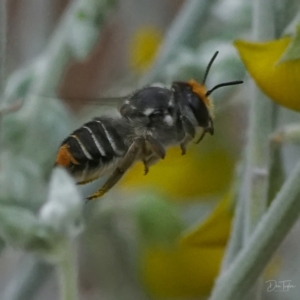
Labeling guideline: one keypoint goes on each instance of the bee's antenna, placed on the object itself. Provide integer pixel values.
(221, 85)
(208, 66)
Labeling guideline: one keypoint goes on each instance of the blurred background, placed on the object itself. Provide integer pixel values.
(138, 241)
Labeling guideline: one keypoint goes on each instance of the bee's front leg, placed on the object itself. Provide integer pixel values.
(130, 157)
(190, 133)
(184, 144)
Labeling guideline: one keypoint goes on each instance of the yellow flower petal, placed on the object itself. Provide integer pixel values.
(190, 268)
(280, 81)
(143, 47)
(182, 272)
(185, 177)
(215, 229)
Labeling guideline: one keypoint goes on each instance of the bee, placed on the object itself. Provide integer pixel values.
(150, 120)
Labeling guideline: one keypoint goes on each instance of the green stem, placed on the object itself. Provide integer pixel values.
(2, 44)
(258, 161)
(261, 125)
(284, 211)
(31, 274)
(59, 50)
(49, 67)
(68, 274)
(263, 171)
(2, 54)
(2, 246)
(236, 240)
(182, 31)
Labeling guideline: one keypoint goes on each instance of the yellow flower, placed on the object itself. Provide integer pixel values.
(202, 171)
(143, 47)
(279, 79)
(188, 270)
(215, 229)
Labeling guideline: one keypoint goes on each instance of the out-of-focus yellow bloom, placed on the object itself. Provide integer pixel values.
(214, 230)
(143, 47)
(181, 272)
(279, 80)
(200, 172)
(188, 270)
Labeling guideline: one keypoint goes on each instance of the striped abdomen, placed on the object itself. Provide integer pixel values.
(93, 149)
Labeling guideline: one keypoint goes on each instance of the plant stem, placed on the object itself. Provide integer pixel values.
(253, 188)
(181, 32)
(284, 211)
(2, 55)
(68, 273)
(31, 275)
(261, 125)
(236, 240)
(2, 246)
(42, 78)
(2, 44)
(59, 50)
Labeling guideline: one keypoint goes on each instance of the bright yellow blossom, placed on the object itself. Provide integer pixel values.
(143, 47)
(188, 269)
(279, 79)
(200, 172)
(215, 229)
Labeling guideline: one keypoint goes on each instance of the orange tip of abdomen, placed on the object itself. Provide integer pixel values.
(64, 157)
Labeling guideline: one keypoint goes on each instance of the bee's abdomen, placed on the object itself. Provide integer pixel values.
(89, 150)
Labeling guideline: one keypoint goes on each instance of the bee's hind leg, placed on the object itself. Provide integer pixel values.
(149, 161)
(129, 158)
(152, 152)
(156, 147)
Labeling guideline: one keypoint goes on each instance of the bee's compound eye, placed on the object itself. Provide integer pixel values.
(200, 110)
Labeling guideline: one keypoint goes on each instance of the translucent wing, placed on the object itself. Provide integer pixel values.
(109, 101)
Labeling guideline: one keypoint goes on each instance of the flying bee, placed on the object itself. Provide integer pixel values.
(150, 120)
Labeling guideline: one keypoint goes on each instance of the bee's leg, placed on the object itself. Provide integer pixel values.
(125, 164)
(87, 181)
(209, 128)
(190, 133)
(188, 126)
(153, 159)
(156, 147)
(184, 143)
(153, 151)
(146, 167)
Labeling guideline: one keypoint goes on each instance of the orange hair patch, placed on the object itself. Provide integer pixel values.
(200, 90)
(64, 157)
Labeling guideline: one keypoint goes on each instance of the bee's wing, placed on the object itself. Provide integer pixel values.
(110, 101)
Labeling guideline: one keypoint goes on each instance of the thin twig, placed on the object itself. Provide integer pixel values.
(43, 77)
(2, 45)
(190, 18)
(267, 236)
(31, 274)
(2, 53)
(68, 274)
(261, 125)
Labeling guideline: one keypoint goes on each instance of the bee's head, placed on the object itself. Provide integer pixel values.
(195, 96)
(192, 96)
